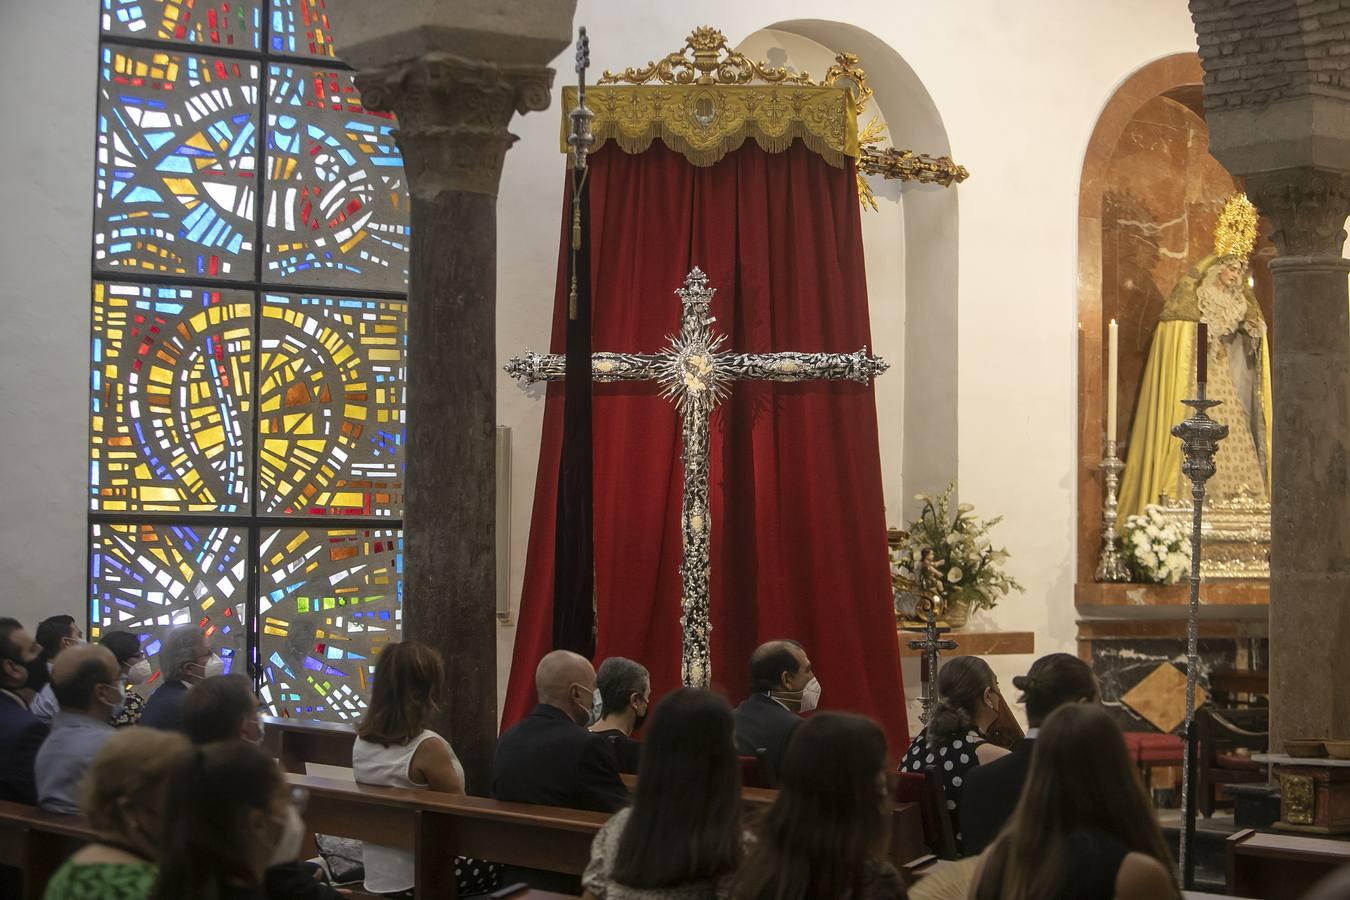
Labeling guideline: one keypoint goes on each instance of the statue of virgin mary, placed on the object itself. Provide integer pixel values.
(1216, 291)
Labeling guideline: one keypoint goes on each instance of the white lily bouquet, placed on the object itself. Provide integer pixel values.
(1157, 550)
(971, 567)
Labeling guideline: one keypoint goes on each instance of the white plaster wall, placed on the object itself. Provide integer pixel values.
(48, 56)
(1018, 86)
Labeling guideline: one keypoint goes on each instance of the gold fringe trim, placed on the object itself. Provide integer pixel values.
(703, 123)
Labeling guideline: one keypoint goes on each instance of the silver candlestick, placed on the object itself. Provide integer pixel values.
(1111, 565)
(1200, 436)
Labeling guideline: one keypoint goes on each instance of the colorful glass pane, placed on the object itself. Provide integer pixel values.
(330, 401)
(300, 27)
(177, 160)
(148, 578)
(330, 600)
(170, 389)
(337, 206)
(224, 23)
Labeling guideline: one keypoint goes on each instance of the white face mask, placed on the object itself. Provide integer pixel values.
(287, 847)
(139, 673)
(121, 705)
(810, 695)
(591, 710)
(213, 666)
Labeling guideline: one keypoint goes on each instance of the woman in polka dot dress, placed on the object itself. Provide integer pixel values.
(954, 741)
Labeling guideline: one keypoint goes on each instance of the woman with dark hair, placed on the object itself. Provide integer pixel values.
(135, 671)
(681, 839)
(826, 836)
(394, 748)
(1084, 829)
(955, 740)
(228, 815)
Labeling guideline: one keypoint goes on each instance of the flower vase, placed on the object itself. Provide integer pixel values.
(956, 611)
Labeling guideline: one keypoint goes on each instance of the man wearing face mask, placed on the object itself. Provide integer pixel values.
(549, 757)
(54, 635)
(21, 732)
(88, 685)
(782, 686)
(185, 658)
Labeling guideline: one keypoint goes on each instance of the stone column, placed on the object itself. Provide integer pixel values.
(1277, 102)
(454, 74)
(1310, 541)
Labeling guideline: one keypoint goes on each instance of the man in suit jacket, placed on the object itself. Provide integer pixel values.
(782, 685)
(549, 757)
(992, 791)
(21, 732)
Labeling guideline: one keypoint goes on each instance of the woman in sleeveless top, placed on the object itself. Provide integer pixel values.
(393, 749)
(1084, 828)
(954, 741)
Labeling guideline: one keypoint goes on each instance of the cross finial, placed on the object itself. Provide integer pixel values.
(583, 55)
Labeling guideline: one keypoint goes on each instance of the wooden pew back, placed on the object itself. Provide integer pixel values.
(37, 842)
(295, 743)
(1281, 866)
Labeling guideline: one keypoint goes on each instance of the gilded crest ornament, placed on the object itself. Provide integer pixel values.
(706, 65)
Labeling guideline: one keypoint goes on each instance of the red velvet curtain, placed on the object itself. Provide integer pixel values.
(799, 532)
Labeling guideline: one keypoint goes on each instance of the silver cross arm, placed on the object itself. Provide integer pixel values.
(533, 367)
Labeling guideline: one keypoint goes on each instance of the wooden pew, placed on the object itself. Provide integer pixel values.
(1280, 866)
(294, 743)
(438, 827)
(37, 842)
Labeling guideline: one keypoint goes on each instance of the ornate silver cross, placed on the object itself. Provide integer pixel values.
(697, 373)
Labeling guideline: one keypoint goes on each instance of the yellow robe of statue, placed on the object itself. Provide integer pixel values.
(1153, 460)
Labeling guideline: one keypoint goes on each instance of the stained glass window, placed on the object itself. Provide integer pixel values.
(337, 208)
(176, 164)
(145, 578)
(331, 598)
(170, 395)
(300, 27)
(331, 397)
(224, 23)
(248, 344)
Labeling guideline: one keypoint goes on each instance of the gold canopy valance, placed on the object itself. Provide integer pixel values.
(704, 123)
(700, 101)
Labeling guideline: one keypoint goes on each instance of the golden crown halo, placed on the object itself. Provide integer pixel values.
(1235, 232)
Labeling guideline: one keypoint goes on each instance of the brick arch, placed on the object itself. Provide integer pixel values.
(1178, 77)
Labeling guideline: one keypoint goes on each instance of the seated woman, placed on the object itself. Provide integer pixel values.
(228, 815)
(394, 748)
(827, 834)
(624, 692)
(954, 742)
(135, 671)
(123, 799)
(681, 839)
(1084, 829)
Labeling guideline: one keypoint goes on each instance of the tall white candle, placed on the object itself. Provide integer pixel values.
(1112, 366)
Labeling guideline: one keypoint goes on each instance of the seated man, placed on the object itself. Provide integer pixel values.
(625, 693)
(185, 658)
(222, 708)
(21, 732)
(54, 634)
(782, 685)
(88, 685)
(992, 790)
(549, 757)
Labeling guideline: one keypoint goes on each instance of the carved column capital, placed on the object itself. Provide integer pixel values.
(453, 115)
(1308, 208)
